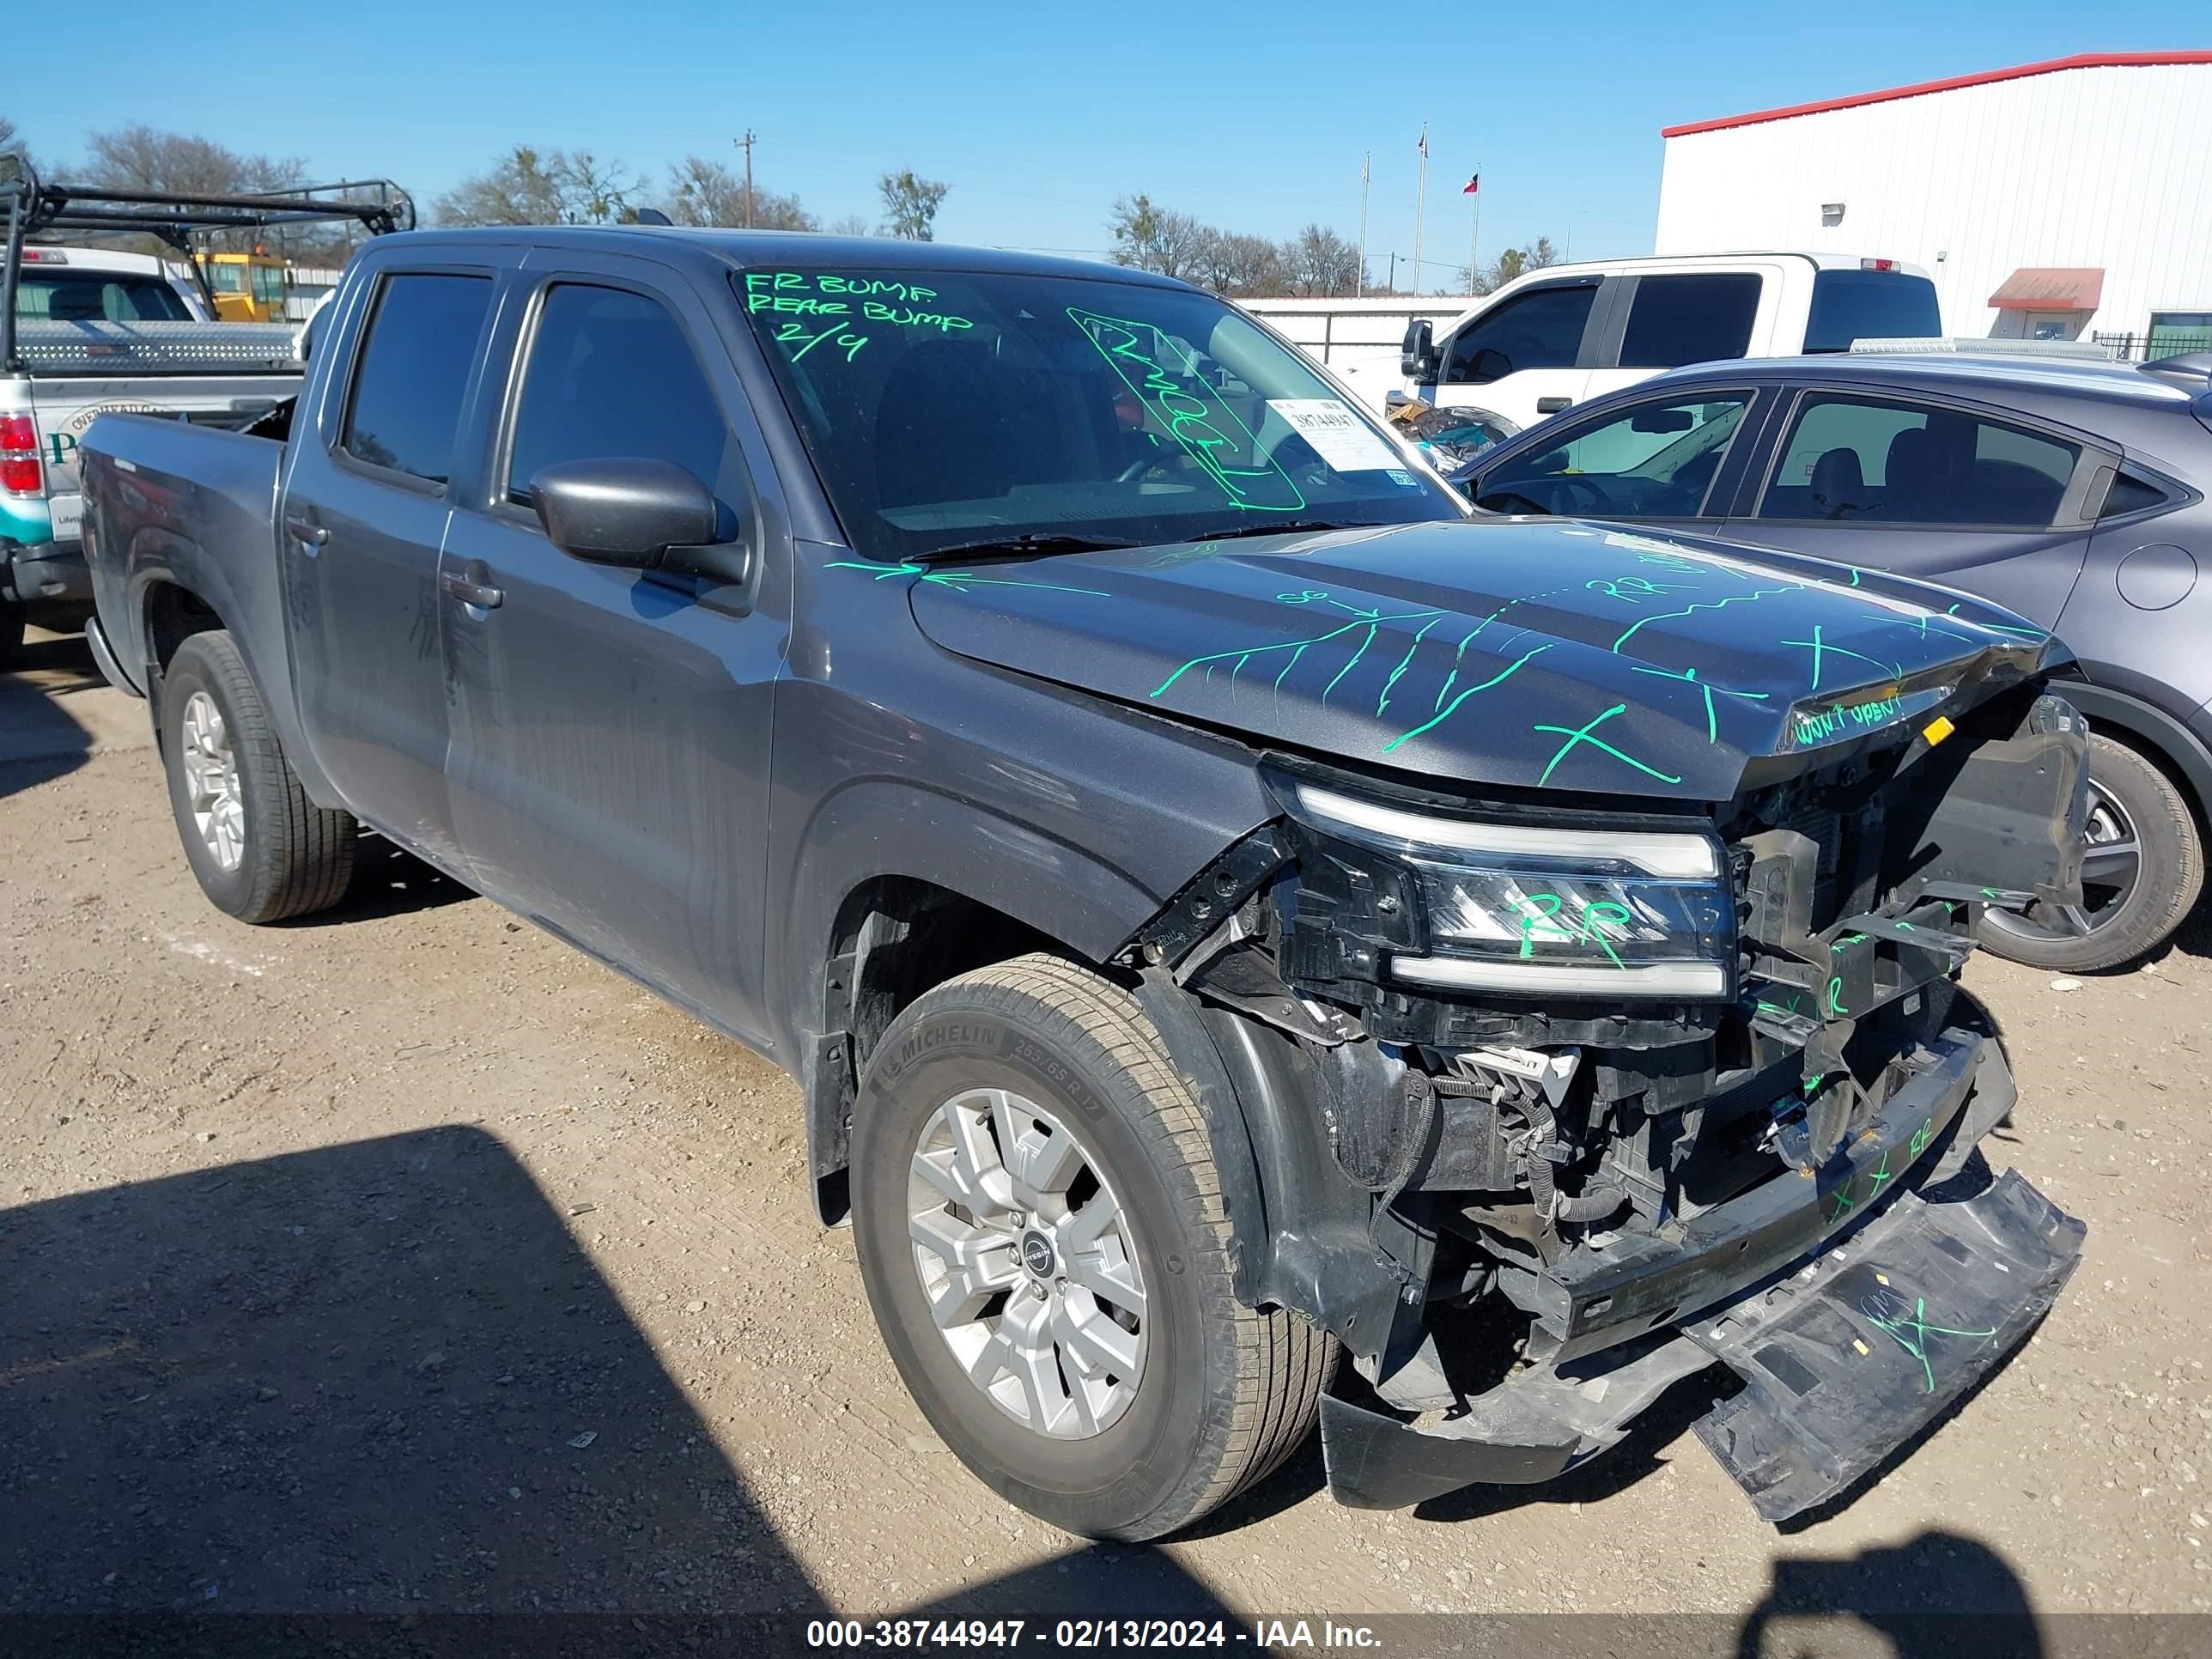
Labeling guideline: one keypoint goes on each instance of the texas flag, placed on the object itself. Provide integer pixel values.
(1472, 183)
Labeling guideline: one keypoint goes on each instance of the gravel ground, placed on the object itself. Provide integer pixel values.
(406, 1260)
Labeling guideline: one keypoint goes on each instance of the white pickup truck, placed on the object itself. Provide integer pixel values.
(89, 330)
(1548, 340)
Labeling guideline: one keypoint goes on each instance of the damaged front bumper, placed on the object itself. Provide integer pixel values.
(1853, 1304)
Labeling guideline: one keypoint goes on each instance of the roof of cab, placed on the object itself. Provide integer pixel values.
(753, 249)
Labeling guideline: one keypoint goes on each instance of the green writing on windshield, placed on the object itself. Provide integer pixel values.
(1206, 427)
(843, 303)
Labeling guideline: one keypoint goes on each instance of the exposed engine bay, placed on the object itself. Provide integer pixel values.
(1599, 1075)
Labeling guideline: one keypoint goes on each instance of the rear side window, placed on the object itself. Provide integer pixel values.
(1865, 458)
(1870, 304)
(1540, 328)
(2130, 494)
(415, 365)
(611, 374)
(1675, 321)
(93, 298)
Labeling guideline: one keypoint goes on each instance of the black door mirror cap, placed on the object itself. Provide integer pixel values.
(624, 510)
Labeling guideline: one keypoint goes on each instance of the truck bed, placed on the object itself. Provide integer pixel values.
(170, 501)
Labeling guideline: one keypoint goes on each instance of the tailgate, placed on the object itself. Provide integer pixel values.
(65, 407)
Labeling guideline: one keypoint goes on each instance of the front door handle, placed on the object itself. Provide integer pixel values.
(301, 528)
(469, 591)
(1553, 405)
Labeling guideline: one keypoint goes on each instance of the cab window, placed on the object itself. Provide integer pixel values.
(1867, 459)
(1655, 461)
(1541, 328)
(611, 373)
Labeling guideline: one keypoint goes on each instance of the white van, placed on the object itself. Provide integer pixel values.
(1546, 341)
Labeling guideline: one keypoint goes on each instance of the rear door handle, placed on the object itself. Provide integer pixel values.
(301, 528)
(1553, 405)
(468, 592)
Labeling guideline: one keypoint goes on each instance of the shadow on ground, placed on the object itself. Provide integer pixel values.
(1938, 1593)
(282, 1406)
(387, 881)
(39, 739)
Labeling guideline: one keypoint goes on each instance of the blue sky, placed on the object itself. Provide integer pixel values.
(1039, 115)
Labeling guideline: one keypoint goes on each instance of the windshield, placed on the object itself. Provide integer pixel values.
(95, 297)
(946, 408)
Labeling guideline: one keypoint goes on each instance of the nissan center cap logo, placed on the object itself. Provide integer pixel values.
(1036, 1254)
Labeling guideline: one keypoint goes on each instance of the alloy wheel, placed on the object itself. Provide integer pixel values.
(1028, 1263)
(218, 803)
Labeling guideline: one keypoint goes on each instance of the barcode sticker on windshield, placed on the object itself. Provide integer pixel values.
(1344, 442)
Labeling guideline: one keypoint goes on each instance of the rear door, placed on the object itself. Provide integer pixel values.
(1978, 499)
(611, 727)
(1526, 357)
(1668, 321)
(361, 519)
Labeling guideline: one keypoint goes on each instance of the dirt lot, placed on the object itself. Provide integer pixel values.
(406, 1260)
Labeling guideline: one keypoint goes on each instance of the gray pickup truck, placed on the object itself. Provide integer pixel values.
(1225, 909)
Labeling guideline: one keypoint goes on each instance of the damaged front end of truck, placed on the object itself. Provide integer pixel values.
(1541, 1104)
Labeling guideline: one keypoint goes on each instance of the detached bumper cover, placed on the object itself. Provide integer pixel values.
(1832, 1356)
(1847, 1361)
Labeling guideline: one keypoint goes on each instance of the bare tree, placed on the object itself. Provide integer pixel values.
(1321, 263)
(910, 204)
(1148, 237)
(523, 187)
(704, 192)
(597, 192)
(138, 157)
(1237, 264)
(10, 141)
(852, 224)
(1515, 263)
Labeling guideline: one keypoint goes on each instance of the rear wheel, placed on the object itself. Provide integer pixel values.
(2141, 872)
(261, 850)
(1040, 1227)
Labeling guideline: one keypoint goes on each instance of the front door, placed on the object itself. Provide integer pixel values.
(364, 513)
(1524, 357)
(611, 728)
(1928, 488)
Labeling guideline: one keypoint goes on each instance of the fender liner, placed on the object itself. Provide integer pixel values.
(1299, 1226)
(2116, 710)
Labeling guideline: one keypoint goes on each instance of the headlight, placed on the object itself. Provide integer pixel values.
(1537, 909)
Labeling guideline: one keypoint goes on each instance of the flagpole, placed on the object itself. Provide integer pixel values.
(1420, 206)
(1474, 236)
(1359, 287)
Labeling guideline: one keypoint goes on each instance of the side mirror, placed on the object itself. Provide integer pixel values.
(1417, 357)
(624, 510)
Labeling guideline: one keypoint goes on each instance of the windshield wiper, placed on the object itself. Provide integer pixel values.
(1284, 527)
(1024, 545)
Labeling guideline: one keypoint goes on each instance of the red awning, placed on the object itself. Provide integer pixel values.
(2051, 288)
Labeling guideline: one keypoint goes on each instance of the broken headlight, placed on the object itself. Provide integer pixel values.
(1536, 909)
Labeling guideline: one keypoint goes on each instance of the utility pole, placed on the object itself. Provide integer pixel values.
(746, 144)
(1359, 288)
(1393, 271)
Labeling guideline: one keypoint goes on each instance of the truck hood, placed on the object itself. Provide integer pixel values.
(1532, 655)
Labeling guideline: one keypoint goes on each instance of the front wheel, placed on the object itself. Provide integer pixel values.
(2141, 872)
(260, 849)
(1040, 1231)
